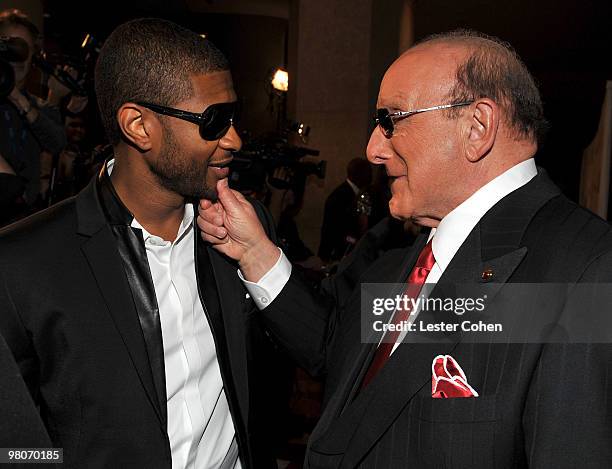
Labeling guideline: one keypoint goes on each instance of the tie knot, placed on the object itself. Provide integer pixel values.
(426, 259)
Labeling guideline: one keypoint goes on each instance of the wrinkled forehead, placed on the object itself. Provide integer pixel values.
(421, 77)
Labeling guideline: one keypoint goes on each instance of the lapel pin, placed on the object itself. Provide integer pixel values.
(487, 275)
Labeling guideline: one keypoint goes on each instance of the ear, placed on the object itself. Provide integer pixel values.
(482, 126)
(137, 125)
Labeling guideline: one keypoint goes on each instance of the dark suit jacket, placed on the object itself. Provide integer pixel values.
(20, 424)
(540, 405)
(339, 220)
(90, 357)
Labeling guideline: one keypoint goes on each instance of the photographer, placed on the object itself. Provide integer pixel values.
(28, 124)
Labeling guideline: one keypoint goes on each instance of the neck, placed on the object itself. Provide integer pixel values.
(475, 176)
(158, 210)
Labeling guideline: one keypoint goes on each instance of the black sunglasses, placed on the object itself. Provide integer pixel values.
(387, 119)
(214, 122)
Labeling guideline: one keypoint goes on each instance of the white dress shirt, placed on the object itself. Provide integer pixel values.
(447, 238)
(200, 427)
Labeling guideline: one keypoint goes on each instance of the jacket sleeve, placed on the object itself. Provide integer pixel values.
(300, 316)
(17, 338)
(567, 419)
(304, 317)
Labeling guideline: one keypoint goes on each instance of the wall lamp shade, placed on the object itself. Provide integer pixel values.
(280, 81)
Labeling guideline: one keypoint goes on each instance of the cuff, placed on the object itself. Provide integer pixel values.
(271, 284)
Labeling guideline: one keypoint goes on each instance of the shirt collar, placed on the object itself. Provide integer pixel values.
(186, 223)
(185, 227)
(455, 227)
(116, 213)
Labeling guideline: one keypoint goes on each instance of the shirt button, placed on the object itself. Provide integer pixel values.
(264, 300)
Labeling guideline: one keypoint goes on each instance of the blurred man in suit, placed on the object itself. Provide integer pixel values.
(137, 342)
(343, 225)
(459, 119)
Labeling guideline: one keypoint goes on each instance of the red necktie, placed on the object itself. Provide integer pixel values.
(416, 279)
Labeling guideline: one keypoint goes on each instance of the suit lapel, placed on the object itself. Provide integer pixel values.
(396, 276)
(224, 299)
(106, 267)
(494, 246)
(348, 403)
(99, 248)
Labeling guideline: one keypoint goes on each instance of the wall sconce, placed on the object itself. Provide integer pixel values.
(280, 80)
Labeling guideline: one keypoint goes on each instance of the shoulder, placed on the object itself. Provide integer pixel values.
(344, 190)
(39, 233)
(571, 236)
(566, 220)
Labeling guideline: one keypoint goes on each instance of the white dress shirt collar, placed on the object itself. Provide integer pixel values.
(186, 224)
(188, 215)
(455, 227)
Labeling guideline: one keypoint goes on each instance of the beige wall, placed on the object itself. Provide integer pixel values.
(331, 96)
(595, 177)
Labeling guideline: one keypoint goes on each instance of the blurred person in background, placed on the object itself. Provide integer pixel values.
(343, 220)
(28, 124)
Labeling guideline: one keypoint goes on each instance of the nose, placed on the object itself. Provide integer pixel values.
(231, 141)
(377, 151)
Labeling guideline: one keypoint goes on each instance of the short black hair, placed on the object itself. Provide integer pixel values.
(15, 17)
(150, 59)
(493, 69)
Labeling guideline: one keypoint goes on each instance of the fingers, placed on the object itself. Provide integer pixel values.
(214, 241)
(215, 235)
(205, 204)
(211, 213)
(229, 198)
(210, 221)
(212, 229)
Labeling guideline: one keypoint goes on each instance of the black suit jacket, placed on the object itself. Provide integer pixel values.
(20, 424)
(540, 405)
(339, 221)
(77, 330)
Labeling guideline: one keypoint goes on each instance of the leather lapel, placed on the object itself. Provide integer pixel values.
(100, 250)
(224, 298)
(107, 268)
(131, 248)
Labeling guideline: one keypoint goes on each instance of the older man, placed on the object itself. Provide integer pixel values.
(458, 123)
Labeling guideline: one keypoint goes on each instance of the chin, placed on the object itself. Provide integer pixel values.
(396, 211)
(210, 194)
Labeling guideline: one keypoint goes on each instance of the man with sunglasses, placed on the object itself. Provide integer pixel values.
(458, 124)
(136, 340)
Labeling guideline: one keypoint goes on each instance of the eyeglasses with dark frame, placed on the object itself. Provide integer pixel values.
(214, 122)
(386, 120)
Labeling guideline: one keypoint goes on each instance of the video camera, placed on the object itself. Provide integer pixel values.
(83, 63)
(14, 49)
(273, 160)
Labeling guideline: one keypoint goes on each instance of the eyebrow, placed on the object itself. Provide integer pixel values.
(397, 102)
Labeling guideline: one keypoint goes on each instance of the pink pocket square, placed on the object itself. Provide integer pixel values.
(448, 379)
